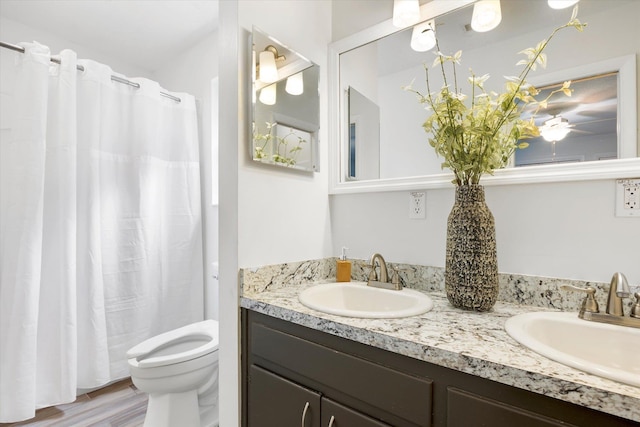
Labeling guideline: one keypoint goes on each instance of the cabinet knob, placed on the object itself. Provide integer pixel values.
(304, 412)
(331, 421)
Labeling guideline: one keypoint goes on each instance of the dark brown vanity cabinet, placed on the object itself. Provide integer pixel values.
(283, 370)
(297, 376)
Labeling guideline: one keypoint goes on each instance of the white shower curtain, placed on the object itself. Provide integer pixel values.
(101, 243)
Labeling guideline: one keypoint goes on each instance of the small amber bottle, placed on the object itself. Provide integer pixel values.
(343, 268)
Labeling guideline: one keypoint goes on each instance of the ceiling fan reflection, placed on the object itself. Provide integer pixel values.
(555, 129)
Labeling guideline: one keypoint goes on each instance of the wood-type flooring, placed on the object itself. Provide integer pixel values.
(118, 405)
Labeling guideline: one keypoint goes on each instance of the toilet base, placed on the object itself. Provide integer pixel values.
(173, 409)
(209, 416)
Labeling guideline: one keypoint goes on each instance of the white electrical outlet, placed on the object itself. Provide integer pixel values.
(417, 205)
(628, 197)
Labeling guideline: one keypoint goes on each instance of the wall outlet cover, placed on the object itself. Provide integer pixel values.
(628, 197)
(417, 205)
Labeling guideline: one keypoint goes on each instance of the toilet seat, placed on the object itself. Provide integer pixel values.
(176, 346)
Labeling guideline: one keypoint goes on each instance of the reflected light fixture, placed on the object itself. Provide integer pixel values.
(268, 95)
(555, 129)
(295, 84)
(486, 15)
(561, 4)
(267, 70)
(405, 12)
(423, 37)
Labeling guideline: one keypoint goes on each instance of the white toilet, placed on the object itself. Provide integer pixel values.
(179, 371)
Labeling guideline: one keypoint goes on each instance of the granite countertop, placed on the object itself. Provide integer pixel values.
(475, 343)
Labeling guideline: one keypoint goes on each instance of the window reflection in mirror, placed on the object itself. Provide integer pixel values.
(579, 128)
(286, 106)
(381, 68)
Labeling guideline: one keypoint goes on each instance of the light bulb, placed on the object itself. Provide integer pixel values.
(561, 4)
(405, 12)
(268, 95)
(423, 37)
(268, 69)
(295, 84)
(486, 15)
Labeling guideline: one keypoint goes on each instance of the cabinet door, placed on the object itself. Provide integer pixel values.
(276, 402)
(337, 415)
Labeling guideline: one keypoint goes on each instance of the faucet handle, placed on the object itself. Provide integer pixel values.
(395, 278)
(635, 310)
(589, 304)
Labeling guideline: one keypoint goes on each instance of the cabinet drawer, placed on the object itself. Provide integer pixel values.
(471, 410)
(363, 385)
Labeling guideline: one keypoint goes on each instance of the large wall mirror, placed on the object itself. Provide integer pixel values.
(379, 143)
(286, 106)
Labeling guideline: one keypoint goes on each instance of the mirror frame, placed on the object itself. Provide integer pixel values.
(561, 172)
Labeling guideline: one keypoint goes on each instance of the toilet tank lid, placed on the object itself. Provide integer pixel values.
(207, 328)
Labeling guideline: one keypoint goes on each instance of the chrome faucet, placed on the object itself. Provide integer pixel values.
(618, 289)
(383, 280)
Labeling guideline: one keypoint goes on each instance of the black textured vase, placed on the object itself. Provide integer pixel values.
(471, 271)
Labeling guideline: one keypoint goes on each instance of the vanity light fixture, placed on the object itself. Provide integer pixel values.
(295, 84)
(486, 15)
(268, 95)
(267, 70)
(555, 129)
(405, 12)
(423, 37)
(561, 4)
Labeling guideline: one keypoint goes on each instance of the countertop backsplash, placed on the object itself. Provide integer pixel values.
(514, 288)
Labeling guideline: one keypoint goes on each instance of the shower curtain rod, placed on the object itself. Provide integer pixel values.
(81, 68)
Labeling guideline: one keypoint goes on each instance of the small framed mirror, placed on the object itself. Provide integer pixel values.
(286, 106)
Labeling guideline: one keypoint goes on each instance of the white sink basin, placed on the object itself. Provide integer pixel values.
(609, 351)
(356, 299)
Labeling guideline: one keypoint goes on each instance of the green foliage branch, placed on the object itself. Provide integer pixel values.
(285, 154)
(478, 138)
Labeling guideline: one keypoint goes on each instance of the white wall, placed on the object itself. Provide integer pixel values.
(565, 230)
(267, 214)
(16, 32)
(192, 72)
(232, 119)
(284, 215)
